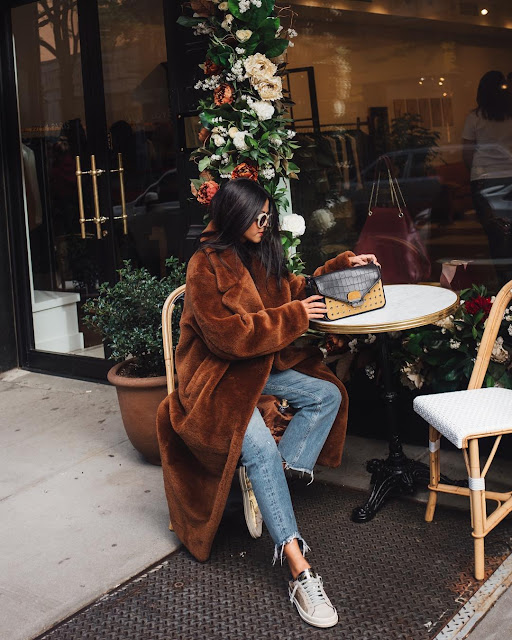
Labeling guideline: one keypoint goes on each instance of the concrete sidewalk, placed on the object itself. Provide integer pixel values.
(81, 512)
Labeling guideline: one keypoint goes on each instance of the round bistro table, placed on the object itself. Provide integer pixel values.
(407, 306)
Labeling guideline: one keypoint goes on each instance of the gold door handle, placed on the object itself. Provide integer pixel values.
(98, 218)
(120, 171)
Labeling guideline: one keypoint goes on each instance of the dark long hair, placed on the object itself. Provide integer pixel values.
(233, 209)
(493, 100)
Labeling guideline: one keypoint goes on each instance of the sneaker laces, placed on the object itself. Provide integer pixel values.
(313, 586)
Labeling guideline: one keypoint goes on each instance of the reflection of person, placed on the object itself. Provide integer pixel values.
(487, 139)
(242, 311)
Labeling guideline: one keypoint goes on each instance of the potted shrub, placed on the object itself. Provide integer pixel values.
(128, 315)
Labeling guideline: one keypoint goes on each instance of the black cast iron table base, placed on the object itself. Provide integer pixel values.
(397, 474)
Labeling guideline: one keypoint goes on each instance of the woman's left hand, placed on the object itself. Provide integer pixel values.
(364, 258)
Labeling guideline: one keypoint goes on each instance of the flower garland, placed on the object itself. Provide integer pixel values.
(243, 114)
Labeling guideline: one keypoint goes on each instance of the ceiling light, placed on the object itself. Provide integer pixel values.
(444, 94)
(484, 12)
(420, 82)
(442, 79)
(440, 84)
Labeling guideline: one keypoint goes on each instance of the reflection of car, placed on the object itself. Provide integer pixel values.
(160, 197)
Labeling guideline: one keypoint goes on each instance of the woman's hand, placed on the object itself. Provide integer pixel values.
(364, 258)
(314, 308)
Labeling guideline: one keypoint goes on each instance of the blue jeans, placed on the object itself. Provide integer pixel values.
(317, 402)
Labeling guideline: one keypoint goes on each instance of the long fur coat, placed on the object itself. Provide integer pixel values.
(233, 330)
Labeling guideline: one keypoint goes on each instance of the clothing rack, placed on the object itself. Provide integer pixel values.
(339, 126)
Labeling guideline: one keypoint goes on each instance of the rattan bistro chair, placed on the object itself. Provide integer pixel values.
(464, 417)
(167, 311)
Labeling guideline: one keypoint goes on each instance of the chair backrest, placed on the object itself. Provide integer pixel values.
(492, 327)
(167, 311)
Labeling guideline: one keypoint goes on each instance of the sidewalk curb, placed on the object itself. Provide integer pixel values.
(462, 623)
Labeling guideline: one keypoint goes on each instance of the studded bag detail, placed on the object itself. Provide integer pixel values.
(348, 292)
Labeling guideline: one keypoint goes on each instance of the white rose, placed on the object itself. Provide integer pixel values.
(242, 35)
(226, 23)
(264, 110)
(239, 141)
(259, 67)
(270, 89)
(293, 223)
(218, 140)
(223, 6)
(323, 219)
(232, 132)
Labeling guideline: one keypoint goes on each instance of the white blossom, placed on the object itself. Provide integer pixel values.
(239, 141)
(352, 345)
(454, 344)
(242, 35)
(223, 6)
(232, 132)
(370, 371)
(227, 22)
(275, 142)
(290, 133)
(268, 172)
(510, 329)
(499, 354)
(263, 110)
(225, 176)
(202, 29)
(208, 84)
(240, 50)
(411, 377)
(291, 44)
(445, 323)
(370, 339)
(215, 157)
(218, 140)
(292, 33)
(293, 223)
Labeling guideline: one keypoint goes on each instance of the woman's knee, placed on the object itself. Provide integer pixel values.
(330, 394)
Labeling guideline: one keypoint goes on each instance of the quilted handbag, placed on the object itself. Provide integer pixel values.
(348, 292)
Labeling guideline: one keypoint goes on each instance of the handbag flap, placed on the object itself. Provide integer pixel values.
(348, 285)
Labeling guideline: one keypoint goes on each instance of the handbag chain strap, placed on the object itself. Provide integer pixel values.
(397, 197)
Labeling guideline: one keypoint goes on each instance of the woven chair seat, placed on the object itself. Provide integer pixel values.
(459, 415)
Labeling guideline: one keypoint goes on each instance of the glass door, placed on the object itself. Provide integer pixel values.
(99, 160)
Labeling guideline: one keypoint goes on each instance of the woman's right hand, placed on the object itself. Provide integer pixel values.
(314, 307)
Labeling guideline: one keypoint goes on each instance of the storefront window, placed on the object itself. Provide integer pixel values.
(400, 78)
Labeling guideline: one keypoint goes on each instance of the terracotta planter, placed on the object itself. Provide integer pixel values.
(138, 400)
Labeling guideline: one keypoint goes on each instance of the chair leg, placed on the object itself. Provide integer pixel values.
(478, 510)
(435, 472)
(170, 526)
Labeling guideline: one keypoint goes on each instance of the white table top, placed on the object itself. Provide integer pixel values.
(407, 306)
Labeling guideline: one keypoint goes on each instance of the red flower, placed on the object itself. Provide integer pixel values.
(210, 68)
(245, 170)
(474, 305)
(223, 94)
(206, 191)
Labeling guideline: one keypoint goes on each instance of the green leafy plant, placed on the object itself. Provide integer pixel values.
(407, 132)
(440, 357)
(246, 130)
(129, 316)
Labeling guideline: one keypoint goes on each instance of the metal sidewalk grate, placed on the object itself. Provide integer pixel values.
(394, 578)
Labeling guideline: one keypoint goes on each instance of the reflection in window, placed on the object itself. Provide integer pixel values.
(386, 85)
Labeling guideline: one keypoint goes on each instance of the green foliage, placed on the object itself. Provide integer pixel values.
(129, 315)
(441, 357)
(407, 132)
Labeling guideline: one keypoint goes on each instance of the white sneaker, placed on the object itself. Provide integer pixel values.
(251, 510)
(308, 595)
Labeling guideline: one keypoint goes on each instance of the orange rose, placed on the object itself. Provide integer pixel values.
(206, 191)
(244, 170)
(223, 94)
(210, 68)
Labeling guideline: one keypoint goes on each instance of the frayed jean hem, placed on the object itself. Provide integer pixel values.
(279, 548)
(310, 472)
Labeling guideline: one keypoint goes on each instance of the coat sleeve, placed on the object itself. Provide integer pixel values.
(298, 283)
(234, 336)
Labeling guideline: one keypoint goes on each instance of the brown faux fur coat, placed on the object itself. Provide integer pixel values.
(233, 330)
